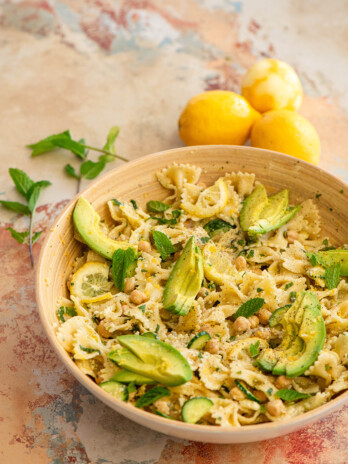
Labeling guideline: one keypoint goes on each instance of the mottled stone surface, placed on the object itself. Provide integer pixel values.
(88, 65)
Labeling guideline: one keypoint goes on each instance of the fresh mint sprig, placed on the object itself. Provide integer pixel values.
(88, 169)
(30, 190)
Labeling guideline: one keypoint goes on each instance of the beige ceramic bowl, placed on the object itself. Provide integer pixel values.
(137, 180)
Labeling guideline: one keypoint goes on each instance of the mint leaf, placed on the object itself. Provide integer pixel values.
(163, 244)
(34, 193)
(332, 276)
(131, 388)
(254, 349)
(88, 350)
(36, 236)
(117, 268)
(66, 310)
(16, 207)
(156, 206)
(134, 203)
(21, 180)
(151, 396)
(249, 308)
(290, 395)
(71, 171)
(110, 145)
(312, 258)
(162, 221)
(292, 296)
(62, 140)
(90, 169)
(19, 236)
(116, 202)
(288, 285)
(122, 262)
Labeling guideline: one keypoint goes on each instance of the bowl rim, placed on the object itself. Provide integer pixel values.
(123, 407)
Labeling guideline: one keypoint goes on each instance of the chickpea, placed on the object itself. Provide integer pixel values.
(212, 346)
(240, 263)
(241, 324)
(236, 394)
(257, 271)
(261, 396)
(282, 382)
(144, 246)
(292, 236)
(275, 407)
(202, 292)
(254, 321)
(129, 284)
(137, 297)
(103, 331)
(162, 406)
(264, 316)
(264, 333)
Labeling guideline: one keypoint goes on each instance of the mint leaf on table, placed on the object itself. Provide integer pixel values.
(91, 169)
(332, 276)
(21, 180)
(254, 349)
(290, 395)
(249, 308)
(163, 244)
(62, 140)
(16, 207)
(151, 396)
(34, 193)
(156, 206)
(19, 236)
(110, 145)
(70, 170)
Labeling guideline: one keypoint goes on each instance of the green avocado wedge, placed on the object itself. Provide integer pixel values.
(304, 337)
(253, 206)
(330, 257)
(261, 214)
(87, 224)
(185, 280)
(153, 359)
(124, 376)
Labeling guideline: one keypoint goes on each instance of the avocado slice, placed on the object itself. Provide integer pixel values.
(125, 376)
(331, 257)
(185, 280)
(253, 206)
(87, 223)
(153, 359)
(261, 214)
(304, 337)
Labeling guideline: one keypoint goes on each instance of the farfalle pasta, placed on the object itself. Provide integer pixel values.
(258, 269)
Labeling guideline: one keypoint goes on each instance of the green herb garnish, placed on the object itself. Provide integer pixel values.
(290, 395)
(163, 244)
(151, 396)
(332, 276)
(249, 308)
(156, 206)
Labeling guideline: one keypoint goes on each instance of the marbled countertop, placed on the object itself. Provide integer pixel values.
(89, 65)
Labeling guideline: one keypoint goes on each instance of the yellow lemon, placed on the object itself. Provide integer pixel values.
(287, 132)
(272, 85)
(218, 263)
(217, 117)
(90, 283)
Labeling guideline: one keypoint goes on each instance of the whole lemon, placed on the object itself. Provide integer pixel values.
(217, 117)
(287, 132)
(272, 85)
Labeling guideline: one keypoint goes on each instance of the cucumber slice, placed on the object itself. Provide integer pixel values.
(277, 316)
(116, 389)
(125, 376)
(198, 341)
(150, 335)
(195, 408)
(246, 392)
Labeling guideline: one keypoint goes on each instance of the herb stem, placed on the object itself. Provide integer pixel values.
(105, 152)
(31, 239)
